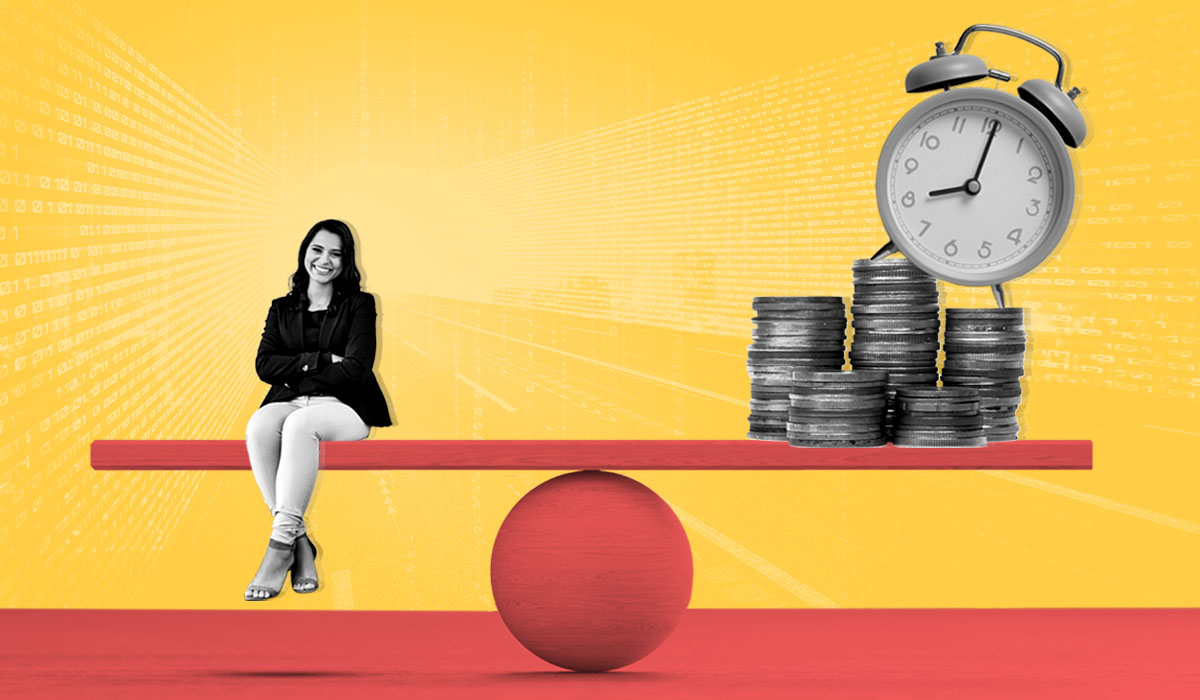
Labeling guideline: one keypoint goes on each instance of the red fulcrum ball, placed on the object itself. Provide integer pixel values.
(591, 571)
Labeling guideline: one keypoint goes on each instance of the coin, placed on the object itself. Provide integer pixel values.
(781, 378)
(837, 443)
(872, 310)
(876, 359)
(987, 337)
(913, 377)
(1000, 390)
(955, 361)
(975, 351)
(939, 442)
(937, 420)
(845, 405)
(940, 393)
(831, 428)
(792, 302)
(793, 354)
(1009, 312)
(997, 326)
(765, 435)
(842, 377)
(961, 377)
(833, 431)
(902, 325)
(909, 286)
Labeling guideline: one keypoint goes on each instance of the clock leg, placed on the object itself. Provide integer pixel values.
(888, 249)
(998, 292)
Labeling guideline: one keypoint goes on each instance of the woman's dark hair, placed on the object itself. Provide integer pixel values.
(346, 283)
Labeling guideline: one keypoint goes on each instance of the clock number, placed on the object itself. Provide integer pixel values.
(930, 141)
(925, 228)
(987, 126)
(1020, 143)
(1015, 235)
(908, 199)
(985, 250)
(911, 165)
(1035, 174)
(951, 247)
(1034, 208)
(959, 124)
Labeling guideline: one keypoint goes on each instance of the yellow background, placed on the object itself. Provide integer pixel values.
(565, 213)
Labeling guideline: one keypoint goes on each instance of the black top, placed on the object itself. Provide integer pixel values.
(312, 330)
(312, 336)
(294, 368)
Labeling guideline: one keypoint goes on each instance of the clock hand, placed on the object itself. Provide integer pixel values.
(986, 147)
(948, 190)
(972, 186)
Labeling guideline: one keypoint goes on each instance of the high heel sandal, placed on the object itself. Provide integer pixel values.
(297, 583)
(272, 592)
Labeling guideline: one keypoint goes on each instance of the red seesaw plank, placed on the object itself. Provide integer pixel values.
(565, 455)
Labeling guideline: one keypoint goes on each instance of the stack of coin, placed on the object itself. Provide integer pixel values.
(985, 350)
(837, 409)
(791, 333)
(930, 416)
(896, 324)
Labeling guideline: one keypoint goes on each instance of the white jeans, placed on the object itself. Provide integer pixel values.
(283, 440)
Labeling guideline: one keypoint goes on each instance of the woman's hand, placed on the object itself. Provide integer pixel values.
(336, 358)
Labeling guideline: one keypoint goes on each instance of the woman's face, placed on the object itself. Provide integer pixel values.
(323, 259)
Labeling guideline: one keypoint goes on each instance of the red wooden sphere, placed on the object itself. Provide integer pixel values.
(591, 571)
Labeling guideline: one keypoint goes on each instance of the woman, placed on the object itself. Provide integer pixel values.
(317, 350)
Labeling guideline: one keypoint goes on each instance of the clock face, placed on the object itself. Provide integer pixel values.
(975, 186)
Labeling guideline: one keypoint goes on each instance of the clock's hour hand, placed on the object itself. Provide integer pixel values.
(948, 190)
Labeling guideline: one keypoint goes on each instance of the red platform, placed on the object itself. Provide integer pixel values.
(564, 455)
(713, 653)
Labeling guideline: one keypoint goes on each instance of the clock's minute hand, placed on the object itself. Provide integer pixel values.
(972, 186)
(986, 147)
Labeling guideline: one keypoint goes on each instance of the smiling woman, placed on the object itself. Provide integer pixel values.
(317, 351)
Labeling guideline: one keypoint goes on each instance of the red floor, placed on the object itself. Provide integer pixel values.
(713, 653)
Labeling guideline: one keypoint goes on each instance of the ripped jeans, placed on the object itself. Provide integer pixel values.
(283, 440)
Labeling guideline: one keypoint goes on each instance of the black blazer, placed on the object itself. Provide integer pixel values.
(349, 331)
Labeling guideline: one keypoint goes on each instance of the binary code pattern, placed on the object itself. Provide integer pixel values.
(128, 215)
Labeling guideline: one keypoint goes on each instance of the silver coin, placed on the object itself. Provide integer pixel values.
(909, 421)
(769, 436)
(942, 407)
(802, 427)
(799, 301)
(923, 442)
(796, 344)
(844, 377)
(936, 393)
(988, 338)
(838, 443)
(1006, 312)
(834, 403)
(893, 309)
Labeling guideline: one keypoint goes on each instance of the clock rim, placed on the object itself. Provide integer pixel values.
(1054, 232)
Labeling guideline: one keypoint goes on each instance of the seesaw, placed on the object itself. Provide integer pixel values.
(591, 570)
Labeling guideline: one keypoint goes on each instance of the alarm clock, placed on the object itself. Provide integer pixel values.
(975, 186)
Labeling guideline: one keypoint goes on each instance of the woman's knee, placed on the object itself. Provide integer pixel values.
(301, 424)
(265, 424)
(324, 423)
